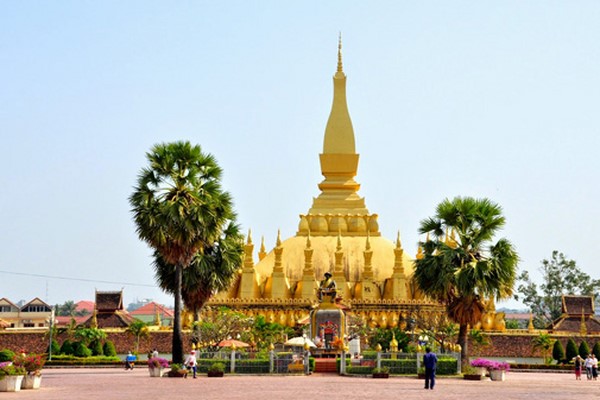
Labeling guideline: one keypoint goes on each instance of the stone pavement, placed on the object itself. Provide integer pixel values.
(93, 384)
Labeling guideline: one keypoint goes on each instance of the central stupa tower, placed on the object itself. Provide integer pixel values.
(339, 208)
(338, 235)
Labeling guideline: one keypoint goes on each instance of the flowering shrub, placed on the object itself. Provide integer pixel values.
(157, 362)
(490, 365)
(8, 368)
(32, 363)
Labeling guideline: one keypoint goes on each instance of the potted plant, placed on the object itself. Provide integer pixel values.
(156, 365)
(177, 371)
(216, 370)
(481, 365)
(498, 370)
(381, 373)
(471, 373)
(32, 363)
(11, 377)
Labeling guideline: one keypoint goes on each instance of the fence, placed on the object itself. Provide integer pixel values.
(247, 362)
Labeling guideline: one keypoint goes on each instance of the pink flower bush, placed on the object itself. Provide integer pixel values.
(490, 365)
(157, 362)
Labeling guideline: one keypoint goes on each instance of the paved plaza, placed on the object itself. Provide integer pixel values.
(92, 384)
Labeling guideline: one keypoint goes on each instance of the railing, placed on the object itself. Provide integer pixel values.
(246, 362)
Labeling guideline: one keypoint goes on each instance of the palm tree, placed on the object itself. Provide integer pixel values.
(210, 271)
(180, 209)
(463, 269)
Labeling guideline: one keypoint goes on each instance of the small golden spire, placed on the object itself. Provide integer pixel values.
(262, 253)
(249, 236)
(398, 243)
(420, 254)
(278, 242)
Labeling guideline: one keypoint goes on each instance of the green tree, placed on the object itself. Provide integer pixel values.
(264, 333)
(66, 347)
(385, 336)
(138, 329)
(584, 349)
(558, 352)
(180, 210)
(89, 335)
(560, 276)
(210, 272)
(219, 325)
(596, 350)
(543, 342)
(571, 350)
(67, 309)
(463, 271)
(109, 349)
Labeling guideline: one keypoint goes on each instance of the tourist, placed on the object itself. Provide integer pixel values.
(594, 367)
(154, 353)
(430, 363)
(588, 366)
(129, 361)
(191, 363)
(578, 362)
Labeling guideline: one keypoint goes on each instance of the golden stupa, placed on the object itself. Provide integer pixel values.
(339, 235)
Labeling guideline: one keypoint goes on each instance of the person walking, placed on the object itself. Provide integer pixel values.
(578, 362)
(594, 367)
(588, 367)
(191, 363)
(430, 363)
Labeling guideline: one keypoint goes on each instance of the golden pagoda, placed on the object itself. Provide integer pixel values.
(339, 235)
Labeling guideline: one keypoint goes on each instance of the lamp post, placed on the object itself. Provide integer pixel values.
(51, 328)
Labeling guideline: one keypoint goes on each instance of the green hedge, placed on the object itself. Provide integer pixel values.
(358, 370)
(94, 360)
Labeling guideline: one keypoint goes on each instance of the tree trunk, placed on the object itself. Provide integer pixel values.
(177, 347)
(462, 341)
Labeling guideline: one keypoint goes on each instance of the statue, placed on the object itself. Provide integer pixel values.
(327, 288)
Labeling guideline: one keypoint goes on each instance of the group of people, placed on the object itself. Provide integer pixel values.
(590, 364)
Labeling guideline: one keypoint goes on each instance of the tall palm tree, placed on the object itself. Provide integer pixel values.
(210, 271)
(464, 270)
(180, 209)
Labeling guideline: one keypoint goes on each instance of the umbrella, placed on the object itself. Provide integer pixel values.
(299, 341)
(233, 342)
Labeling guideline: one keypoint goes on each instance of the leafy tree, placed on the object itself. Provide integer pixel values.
(571, 350)
(558, 352)
(462, 271)
(560, 276)
(89, 335)
(54, 346)
(543, 342)
(264, 333)
(219, 325)
(109, 349)
(584, 349)
(67, 309)
(138, 329)
(180, 210)
(596, 350)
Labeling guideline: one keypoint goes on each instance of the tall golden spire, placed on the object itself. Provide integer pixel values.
(339, 65)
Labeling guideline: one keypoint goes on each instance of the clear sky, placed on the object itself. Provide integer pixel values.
(477, 98)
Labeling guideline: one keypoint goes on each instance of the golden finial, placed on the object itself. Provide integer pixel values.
(420, 254)
(249, 236)
(398, 243)
(278, 242)
(339, 64)
(262, 244)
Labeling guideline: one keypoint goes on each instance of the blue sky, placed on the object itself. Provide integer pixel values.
(484, 99)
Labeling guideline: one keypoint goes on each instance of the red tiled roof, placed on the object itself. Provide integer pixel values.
(151, 308)
(66, 320)
(85, 305)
